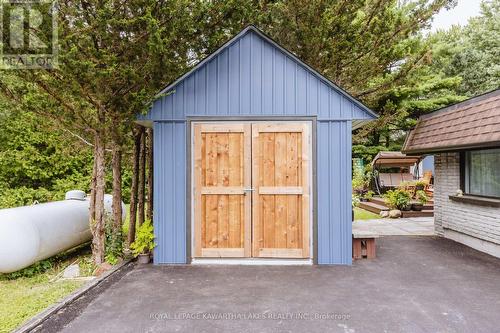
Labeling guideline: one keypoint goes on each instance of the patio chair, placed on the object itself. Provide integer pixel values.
(427, 177)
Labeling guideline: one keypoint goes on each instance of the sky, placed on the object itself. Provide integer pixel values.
(460, 14)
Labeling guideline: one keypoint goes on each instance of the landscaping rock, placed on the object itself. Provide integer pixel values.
(395, 213)
(384, 213)
(72, 271)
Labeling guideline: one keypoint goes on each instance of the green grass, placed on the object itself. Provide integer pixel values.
(23, 297)
(361, 214)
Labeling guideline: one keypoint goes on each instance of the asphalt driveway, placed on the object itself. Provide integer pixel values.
(417, 284)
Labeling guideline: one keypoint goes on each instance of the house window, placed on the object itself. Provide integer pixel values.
(482, 172)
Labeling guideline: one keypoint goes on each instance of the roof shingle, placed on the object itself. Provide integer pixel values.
(473, 123)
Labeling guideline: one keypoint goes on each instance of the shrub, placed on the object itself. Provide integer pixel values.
(113, 242)
(37, 268)
(369, 195)
(422, 197)
(359, 181)
(23, 196)
(398, 199)
(355, 200)
(144, 239)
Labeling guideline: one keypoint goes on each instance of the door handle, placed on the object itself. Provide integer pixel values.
(248, 189)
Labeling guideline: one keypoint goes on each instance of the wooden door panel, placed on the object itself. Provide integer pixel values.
(280, 176)
(222, 206)
(271, 159)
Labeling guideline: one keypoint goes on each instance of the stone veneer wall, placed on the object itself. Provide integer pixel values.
(479, 222)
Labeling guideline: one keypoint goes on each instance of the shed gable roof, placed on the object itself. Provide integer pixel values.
(231, 70)
(473, 123)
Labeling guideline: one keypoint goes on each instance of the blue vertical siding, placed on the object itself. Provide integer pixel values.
(170, 192)
(334, 192)
(251, 76)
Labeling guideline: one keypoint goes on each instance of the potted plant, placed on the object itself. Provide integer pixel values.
(359, 183)
(422, 199)
(420, 185)
(144, 242)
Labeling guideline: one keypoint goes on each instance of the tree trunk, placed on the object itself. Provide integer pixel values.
(117, 188)
(134, 187)
(142, 179)
(98, 237)
(116, 165)
(149, 163)
(92, 191)
(376, 138)
(387, 140)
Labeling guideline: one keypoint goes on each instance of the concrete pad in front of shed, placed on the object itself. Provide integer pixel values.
(416, 284)
(420, 226)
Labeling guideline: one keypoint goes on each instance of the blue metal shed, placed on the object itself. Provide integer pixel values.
(252, 78)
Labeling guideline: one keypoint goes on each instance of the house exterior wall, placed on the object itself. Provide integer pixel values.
(476, 226)
(254, 78)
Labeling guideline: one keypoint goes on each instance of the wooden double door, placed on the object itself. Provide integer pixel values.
(252, 189)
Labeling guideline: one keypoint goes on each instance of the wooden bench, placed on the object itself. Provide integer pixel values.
(363, 244)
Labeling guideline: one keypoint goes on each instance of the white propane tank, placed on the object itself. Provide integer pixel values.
(32, 233)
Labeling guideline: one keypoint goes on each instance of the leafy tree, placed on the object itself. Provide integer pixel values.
(113, 55)
(474, 51)
(38, 160)
(366, 47)
(460, 63)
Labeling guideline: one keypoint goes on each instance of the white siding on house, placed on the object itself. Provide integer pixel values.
(469, 219)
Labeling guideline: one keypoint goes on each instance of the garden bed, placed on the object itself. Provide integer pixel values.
(377, 204)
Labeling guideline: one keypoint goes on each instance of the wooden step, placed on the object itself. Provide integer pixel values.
(372, 207)
(423, 213)
(380, 201)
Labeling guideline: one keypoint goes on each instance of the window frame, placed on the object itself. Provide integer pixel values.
(464, 173)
